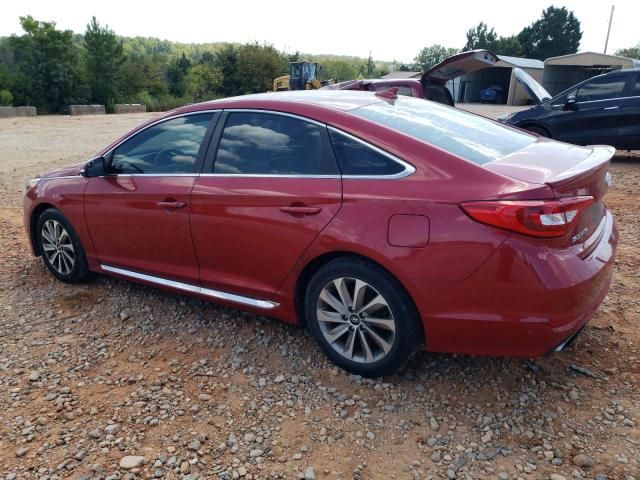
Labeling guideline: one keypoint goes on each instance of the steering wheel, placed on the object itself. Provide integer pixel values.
(132, 165)
(162, 153)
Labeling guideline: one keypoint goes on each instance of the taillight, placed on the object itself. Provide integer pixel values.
(538, 218)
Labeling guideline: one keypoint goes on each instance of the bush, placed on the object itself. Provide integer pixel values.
(6, 99)
(161, 103)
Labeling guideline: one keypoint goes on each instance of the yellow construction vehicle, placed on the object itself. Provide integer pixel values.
(302, 76)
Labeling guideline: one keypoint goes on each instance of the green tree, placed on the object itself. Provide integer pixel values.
(508, 46)
(258, 65)
(226, 59)
(204, 81)
(341, 70)
(104, 60)
(481, 36)
(430, 56)
(632, 52)
(556, 33)
(48, 66)
(177, 72)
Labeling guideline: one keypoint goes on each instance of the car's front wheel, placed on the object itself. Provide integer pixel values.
(60, 247)
(361, 317)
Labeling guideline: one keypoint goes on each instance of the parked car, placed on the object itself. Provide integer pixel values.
(603, 109)
(432, 84)
(384, 225)
(492, 94)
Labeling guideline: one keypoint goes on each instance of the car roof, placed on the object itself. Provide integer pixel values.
(343, 100)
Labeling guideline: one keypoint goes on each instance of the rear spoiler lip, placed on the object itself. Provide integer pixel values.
(600, 157)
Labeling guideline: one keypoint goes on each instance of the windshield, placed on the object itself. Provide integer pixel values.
(463, 134)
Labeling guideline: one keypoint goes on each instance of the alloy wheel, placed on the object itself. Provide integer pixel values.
(356, 320)
(57, 247)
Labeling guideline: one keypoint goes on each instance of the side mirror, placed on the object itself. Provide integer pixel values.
(96, 167)
(570, 103)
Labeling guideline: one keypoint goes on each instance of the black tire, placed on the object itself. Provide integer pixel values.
(538, 131)
(408, 335)
(79, 270)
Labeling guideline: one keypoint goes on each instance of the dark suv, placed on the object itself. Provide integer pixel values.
(603, 109)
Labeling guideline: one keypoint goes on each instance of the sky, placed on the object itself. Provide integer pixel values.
(389, 30)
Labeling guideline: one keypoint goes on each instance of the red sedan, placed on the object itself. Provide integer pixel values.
(383, 224)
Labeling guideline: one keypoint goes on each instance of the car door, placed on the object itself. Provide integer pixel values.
(270, 185)
(138, 214)
(595, 116)
(629, 135)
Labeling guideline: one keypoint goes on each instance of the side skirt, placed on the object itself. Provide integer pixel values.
(217, 294)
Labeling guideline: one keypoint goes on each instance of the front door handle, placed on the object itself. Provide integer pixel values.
(300, 210)
(615, 107)
(171, 204)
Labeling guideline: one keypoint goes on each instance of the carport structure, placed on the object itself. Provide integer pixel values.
(562, 72)
(467, 89)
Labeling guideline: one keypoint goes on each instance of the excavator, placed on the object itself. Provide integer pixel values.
(302, 76)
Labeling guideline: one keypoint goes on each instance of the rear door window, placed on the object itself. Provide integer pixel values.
(604, 88)
(636, 89)
(357, 158)
(256, 143)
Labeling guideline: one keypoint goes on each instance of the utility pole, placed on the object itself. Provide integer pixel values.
(606, 42)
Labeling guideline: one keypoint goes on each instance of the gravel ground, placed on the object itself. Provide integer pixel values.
(115, 380)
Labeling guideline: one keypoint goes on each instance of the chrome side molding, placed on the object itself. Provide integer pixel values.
(231, 297)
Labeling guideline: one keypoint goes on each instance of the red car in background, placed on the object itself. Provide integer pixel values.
(432, 83)
(383, 224)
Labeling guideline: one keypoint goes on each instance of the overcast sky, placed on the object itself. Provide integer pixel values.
(394, 30)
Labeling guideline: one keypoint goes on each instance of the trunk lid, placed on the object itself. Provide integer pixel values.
(458, 65)
(536, 91)
(569, 171)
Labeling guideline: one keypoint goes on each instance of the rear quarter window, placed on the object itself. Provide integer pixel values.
(461, 133)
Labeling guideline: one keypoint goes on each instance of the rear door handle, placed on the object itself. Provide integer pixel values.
(171, 204)
(615, 107)
(300, 210)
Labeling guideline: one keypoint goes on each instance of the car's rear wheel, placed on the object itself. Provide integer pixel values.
(361, 317)
(60, 247)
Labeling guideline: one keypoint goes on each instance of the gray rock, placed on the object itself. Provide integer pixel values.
(309, 474)
(583, 461)
(131, 461)
(112, 429)
(556, 476)
(256, 452)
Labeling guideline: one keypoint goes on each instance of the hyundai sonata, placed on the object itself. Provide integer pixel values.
(383, 224)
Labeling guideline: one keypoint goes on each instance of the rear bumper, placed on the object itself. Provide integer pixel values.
(520, 302)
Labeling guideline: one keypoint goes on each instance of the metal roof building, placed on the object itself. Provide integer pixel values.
(467, 89)
(562, 72)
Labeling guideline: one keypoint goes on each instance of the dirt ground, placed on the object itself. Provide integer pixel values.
(92, 375)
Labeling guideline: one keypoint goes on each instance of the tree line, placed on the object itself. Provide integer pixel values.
(51, 69)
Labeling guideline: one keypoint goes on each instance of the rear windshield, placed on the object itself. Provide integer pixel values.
(463, 134)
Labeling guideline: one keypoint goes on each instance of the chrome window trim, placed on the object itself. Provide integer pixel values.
(158, 121)
(217, 294)
(275, 112)
(408, 168)
(58, 178)
(595, 101)
(268, 175)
